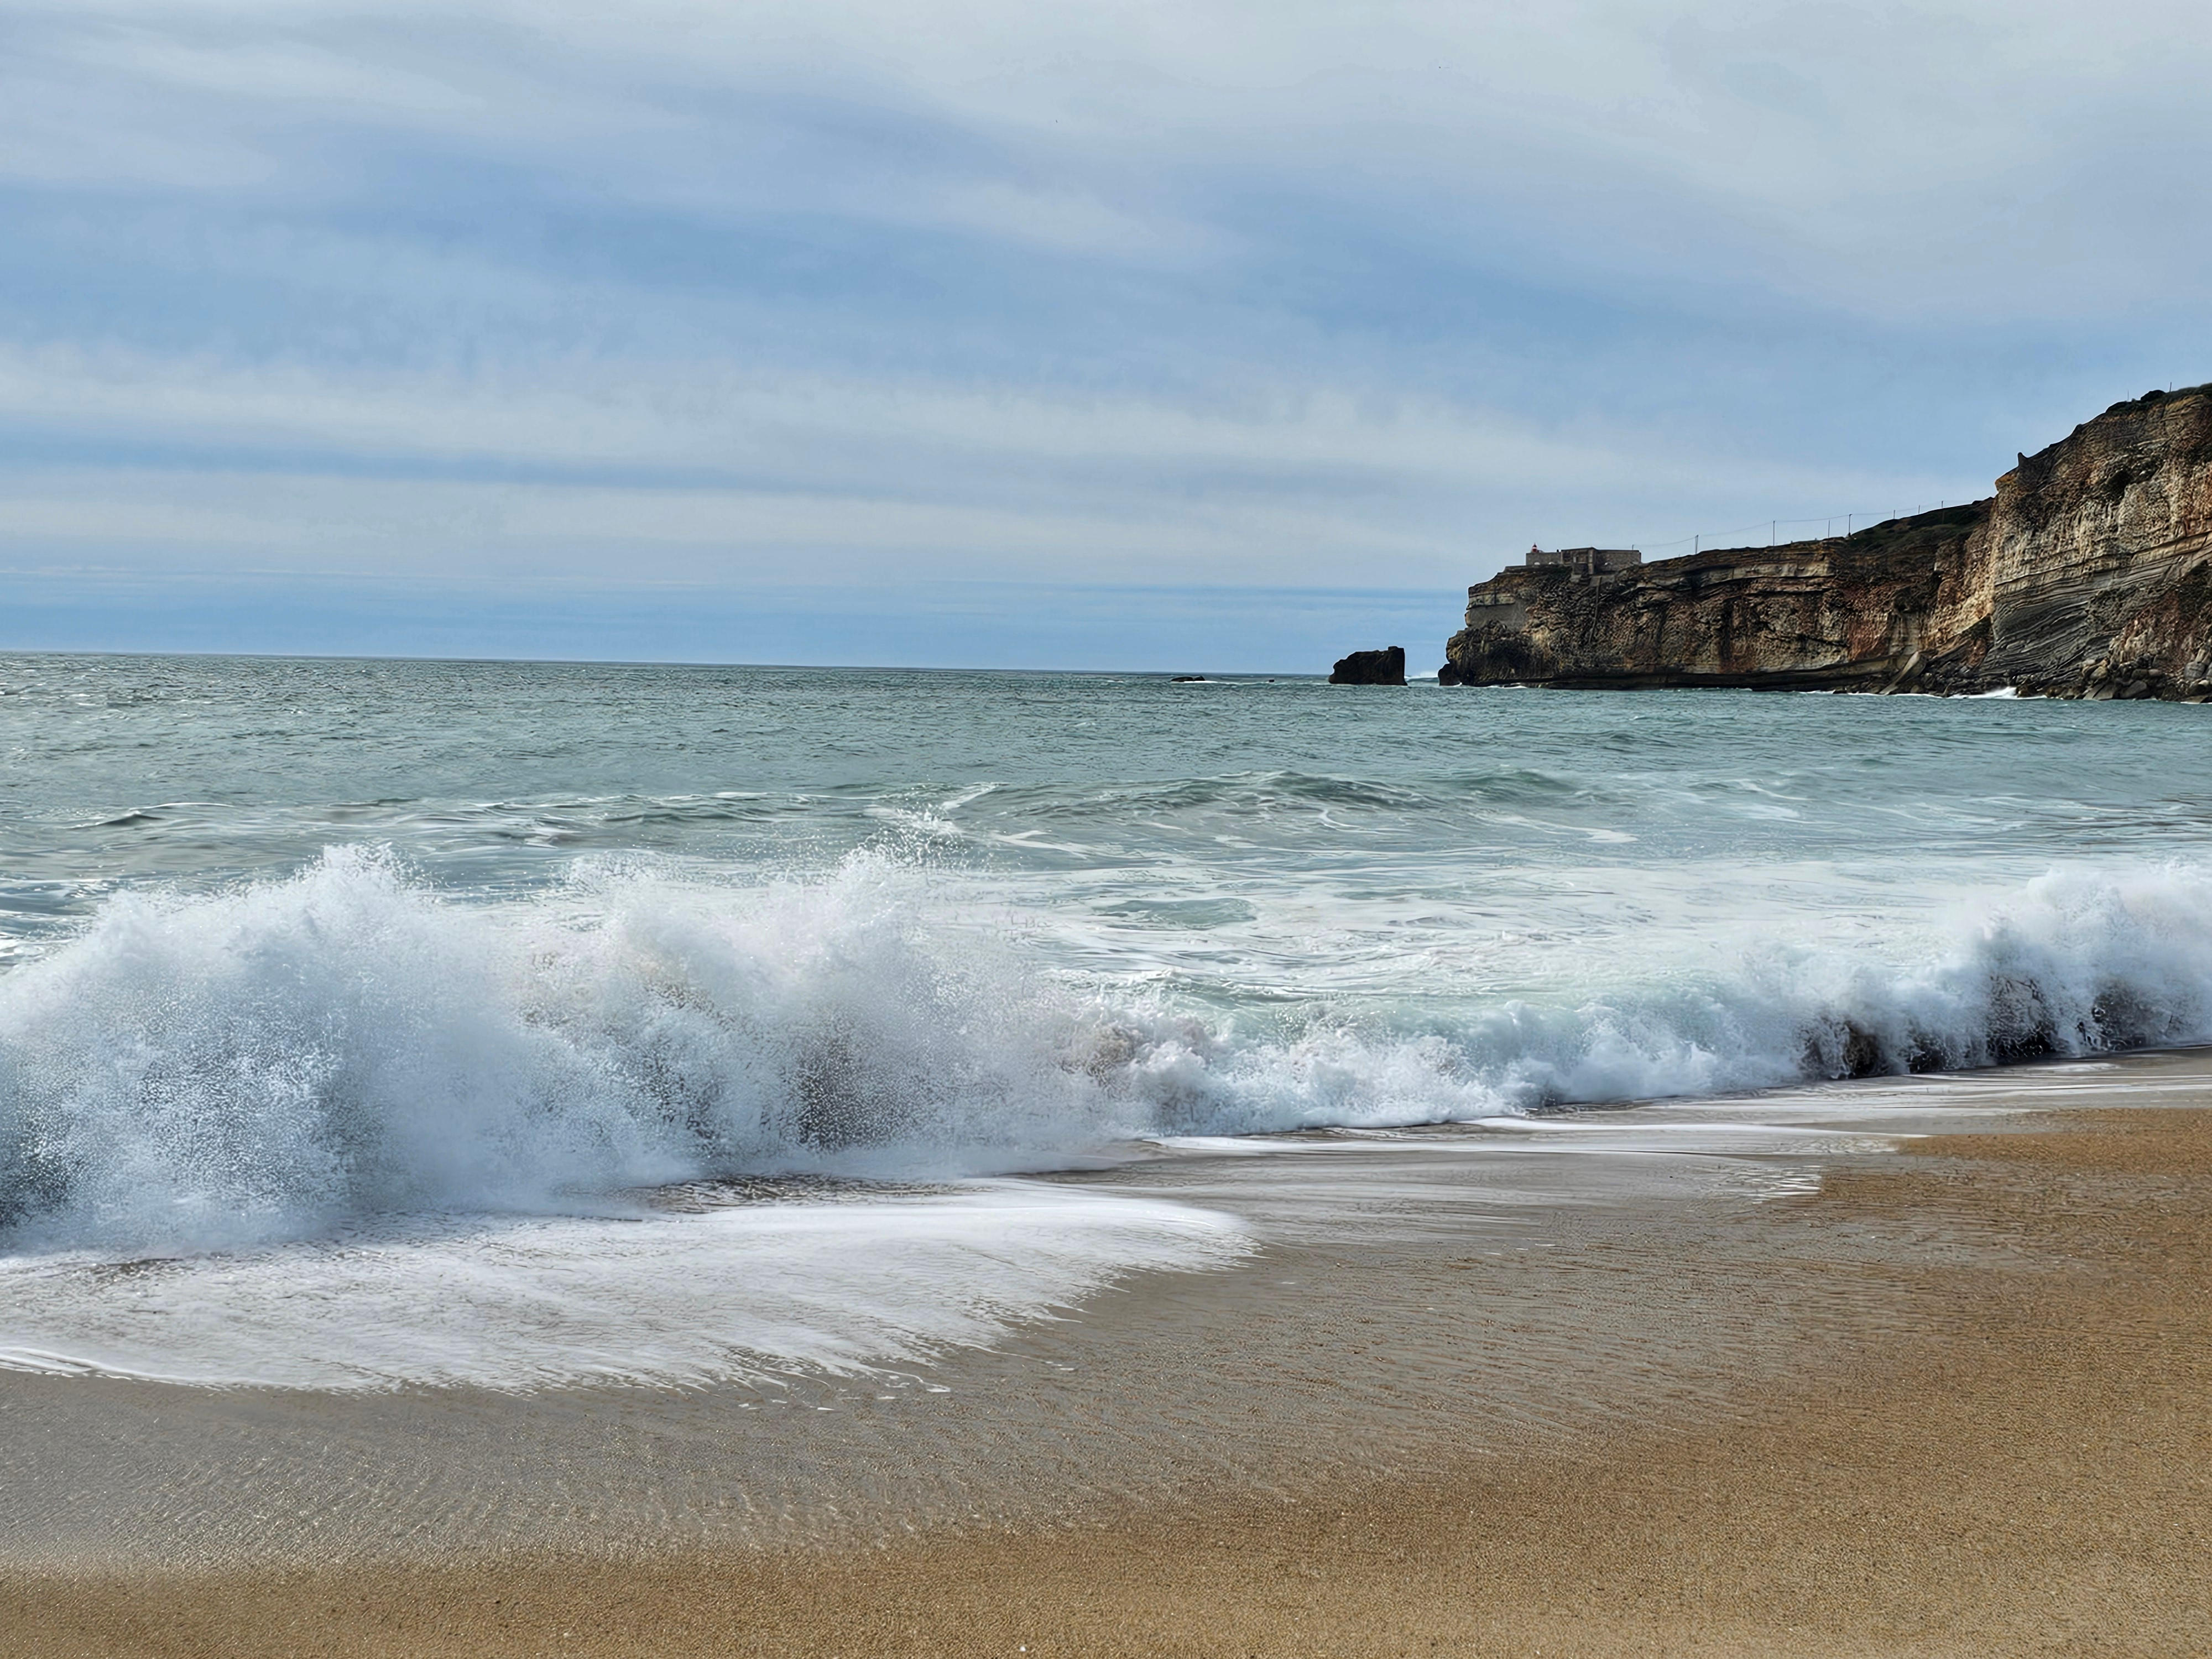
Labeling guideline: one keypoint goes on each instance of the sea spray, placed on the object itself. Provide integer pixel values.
(290, 1057)
(263, 1063)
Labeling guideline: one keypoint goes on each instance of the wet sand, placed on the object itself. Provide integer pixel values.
(1949, 1401)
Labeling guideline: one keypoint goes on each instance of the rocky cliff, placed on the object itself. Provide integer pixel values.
(2089, 574)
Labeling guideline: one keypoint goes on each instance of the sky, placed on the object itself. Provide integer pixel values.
(1187, 336)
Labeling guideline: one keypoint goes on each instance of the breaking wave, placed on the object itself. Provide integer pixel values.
(282, 1058)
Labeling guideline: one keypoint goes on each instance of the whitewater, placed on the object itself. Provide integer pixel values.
(369, 1023)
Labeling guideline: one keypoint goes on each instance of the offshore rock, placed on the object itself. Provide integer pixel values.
(2087, 575)
(1371, 668)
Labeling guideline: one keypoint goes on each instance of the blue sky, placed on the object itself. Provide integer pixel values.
(1173, 336)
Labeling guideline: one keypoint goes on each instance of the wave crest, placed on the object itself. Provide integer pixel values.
(278, 1060)
(271, 1061)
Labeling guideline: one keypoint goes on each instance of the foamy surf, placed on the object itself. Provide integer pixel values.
(727, 1291)
(294, 1057)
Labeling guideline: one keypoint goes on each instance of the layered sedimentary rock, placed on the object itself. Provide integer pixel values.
(2089, 574)
(1385, 667)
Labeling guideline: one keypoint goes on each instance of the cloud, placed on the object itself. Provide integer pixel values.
(686, 473)
(1814, 134)
(1196, 291)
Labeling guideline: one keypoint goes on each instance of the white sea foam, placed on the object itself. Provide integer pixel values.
(744, 1291)
(293, 1057)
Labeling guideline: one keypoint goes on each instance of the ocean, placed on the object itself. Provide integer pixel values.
(365, 1025)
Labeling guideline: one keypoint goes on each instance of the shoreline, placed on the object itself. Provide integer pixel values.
(1949, 1401)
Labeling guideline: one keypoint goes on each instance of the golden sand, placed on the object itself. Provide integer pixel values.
(2020, 1462)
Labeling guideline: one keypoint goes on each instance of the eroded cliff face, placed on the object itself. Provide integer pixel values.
(2100, 555)
(2089, 574)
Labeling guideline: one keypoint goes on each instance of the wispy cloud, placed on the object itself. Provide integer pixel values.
(692, 471)
(1150, 292)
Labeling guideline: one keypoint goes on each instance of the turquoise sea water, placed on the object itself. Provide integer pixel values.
(294, 949)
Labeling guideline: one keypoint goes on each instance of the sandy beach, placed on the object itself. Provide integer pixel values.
(1946, 1398)
(840, 831)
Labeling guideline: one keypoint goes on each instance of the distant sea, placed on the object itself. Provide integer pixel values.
(415, 986)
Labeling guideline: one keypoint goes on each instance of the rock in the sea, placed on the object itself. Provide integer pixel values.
(1371, 668)
(2088, 574)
